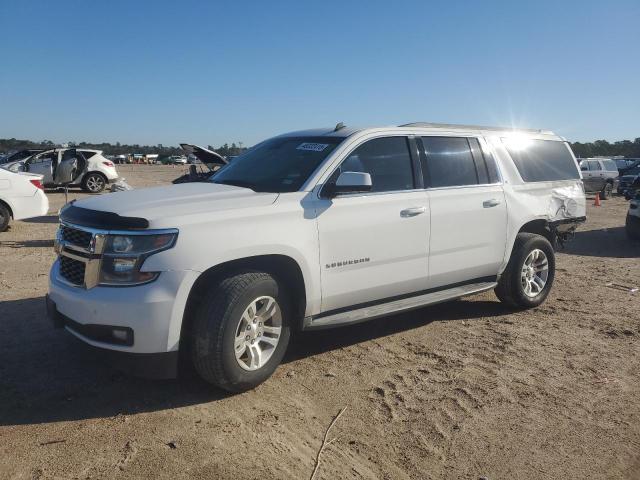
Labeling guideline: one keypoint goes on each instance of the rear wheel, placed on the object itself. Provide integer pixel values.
(5, 217)
(606, 191)
(94, 182)
(240, 333)
(528, 278)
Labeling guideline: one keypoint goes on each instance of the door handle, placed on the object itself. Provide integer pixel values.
(491, 203)
(412, 212)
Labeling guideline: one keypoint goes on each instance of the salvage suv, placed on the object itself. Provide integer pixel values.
(312, 230)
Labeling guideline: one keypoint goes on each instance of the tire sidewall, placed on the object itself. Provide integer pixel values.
(521, 254)
(5, 218)
(94, 174)
(238, 377)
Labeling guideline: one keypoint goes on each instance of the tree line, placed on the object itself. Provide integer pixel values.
(12, 144)
(625, 148)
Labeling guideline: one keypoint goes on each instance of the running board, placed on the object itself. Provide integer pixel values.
(358, 315)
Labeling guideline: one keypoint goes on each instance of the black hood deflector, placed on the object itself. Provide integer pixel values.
(83, 217)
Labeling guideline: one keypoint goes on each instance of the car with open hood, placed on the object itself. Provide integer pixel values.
(208, 163)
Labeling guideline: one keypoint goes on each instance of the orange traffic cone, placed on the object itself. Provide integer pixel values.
(596, 203)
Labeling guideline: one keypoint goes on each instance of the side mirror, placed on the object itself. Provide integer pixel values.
(349, 182)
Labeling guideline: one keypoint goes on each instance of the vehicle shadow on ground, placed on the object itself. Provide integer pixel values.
(47, 375)
(44, 219)
(27, 243)
(605, 242)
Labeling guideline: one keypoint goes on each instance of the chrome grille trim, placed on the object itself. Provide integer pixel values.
(91, 254)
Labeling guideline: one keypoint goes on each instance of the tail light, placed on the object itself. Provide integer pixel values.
(108, 164)
(37, 184)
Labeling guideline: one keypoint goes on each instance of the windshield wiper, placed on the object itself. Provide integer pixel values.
(237, 183)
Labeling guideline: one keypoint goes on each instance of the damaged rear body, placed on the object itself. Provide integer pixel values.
(542, 185)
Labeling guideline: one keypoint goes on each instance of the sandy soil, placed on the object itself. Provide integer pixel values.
(461, 390)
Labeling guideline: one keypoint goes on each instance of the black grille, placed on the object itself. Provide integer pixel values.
(72, 270)
(76, 237)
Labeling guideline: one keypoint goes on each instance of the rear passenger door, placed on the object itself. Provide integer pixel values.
(596, 176)
(468, 210)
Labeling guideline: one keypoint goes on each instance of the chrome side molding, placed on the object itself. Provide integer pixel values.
(395, 306)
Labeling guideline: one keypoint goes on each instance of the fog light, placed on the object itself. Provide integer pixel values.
(122, 335)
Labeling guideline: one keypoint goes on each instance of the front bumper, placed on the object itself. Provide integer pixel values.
(161, 365)
(147, 318)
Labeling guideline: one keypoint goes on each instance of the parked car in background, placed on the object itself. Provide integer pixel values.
(21, 196)
(312, 230)
(630, 178)
(623, 163)
(632, 224)
(599, 176)
(208, 163)
(177, 160)
(98, 170)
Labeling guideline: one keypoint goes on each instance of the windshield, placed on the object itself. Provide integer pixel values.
(278, 165)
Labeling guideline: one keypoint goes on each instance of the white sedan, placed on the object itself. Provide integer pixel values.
(21, 196)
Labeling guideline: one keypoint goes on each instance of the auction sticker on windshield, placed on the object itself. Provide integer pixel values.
(313, 147)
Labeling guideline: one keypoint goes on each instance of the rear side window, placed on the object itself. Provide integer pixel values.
(449, 162)
(87, 154)
(542, 160)
(387, 160)
(610, 165)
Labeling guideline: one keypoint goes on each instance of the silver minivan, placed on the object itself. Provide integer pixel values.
(599, 175)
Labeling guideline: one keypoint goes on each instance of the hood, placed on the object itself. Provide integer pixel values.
(208, 157)
(169, 204)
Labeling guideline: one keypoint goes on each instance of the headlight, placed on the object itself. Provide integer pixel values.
(124, 255)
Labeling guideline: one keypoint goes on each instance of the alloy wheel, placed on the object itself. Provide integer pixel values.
(534, 273)
(258, 333)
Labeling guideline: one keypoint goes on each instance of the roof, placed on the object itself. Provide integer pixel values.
(451, 126)
(348, 131)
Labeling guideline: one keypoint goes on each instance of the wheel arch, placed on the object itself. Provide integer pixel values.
(282, 267)
(8, 205)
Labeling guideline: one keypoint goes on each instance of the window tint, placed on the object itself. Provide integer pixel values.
(541, 160)
(281, 164)
(87, 154)
(610, 165)
(449, 162)
(593, 165)
(387, 160)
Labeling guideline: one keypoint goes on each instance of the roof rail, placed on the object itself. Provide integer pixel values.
(473, 127)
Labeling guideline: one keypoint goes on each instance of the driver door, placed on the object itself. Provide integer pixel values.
(42, 164)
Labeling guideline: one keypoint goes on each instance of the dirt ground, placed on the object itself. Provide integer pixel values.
(460, 390)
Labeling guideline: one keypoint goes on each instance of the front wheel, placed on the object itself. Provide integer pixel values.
(240, 333)
(528, 277)
(94, 182)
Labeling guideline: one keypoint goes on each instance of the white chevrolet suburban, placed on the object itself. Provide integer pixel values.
(309, 230)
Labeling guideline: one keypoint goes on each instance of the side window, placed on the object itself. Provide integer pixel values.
(449, 162)
(594, 165)
(610, 165)
(42, 157)
(584, 166)
(87, 154)
(541, 160)
(387, 160)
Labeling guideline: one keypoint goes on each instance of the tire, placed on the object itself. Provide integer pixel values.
(220, 325)
(511, 288)
(606, 192)
(633, 231)
(94, 182)
(5, 217)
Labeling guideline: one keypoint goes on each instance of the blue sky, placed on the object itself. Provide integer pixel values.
(209, 72)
